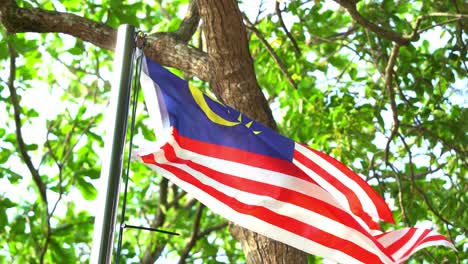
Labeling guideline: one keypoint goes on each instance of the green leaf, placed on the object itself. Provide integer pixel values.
(87, 189)
(6, 203)
(62, 253)
(32, 113)
(12, 176)
(75, 50)
(31, 147)
(4, 156)
(11, 138)
(352, 73)
(3, 220)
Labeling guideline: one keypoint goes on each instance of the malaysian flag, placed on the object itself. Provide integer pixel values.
(266, 182)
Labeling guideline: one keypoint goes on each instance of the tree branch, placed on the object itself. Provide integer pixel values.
(19, 135)
(18, 20)
(272, 52)
(153, 250)
(421, 191)
(391, 90)
(164, 48)
(417, 176)
(441, 24)
(401, 39)
(59, 165)
(420, 129)
(23, 149)
(350, 6)
(280, 19)
(404, 214)
(212, 229)
(163, 10)
(314, 40)
(190, 23)
(194, 237)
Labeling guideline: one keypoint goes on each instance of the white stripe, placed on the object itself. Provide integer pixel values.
(158, 115)
(299, 213)
(432, 243)
(427, 244)
(367, 203)
(402, 250)
(257, 225)
(392, 236)
(262, 175)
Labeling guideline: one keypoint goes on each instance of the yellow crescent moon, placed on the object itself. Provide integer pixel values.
(200, 100)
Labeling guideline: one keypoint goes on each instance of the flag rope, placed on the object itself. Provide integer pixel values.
(140, 41)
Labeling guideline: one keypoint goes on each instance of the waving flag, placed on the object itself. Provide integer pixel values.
(266, 182)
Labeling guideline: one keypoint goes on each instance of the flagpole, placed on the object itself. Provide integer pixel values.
(116, 127)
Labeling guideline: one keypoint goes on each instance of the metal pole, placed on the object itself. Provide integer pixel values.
(111, 171)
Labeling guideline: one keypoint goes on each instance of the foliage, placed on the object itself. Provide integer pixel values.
(403, 127)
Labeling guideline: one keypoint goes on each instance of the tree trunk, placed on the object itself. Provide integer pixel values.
(234, 82)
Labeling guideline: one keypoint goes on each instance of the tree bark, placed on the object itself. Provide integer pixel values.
(234, 82)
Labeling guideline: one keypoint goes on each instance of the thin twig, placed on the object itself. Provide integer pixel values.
(400, 195)
(440, 24)
(453, 242)
(212, 229)
(270, 50)
(163, 10)
(389, 84)
(98, 75)
(459, 32)
(151, 251)
(73, 70)
(421, 192)
(260, 12)
(425, 131)
(19, 135)
(280, 19)
(194, 237)
(22, 147)
(350, 6)
(176, 199)
(83, 132)
(60, 168)
(333, 37)
(398, 38)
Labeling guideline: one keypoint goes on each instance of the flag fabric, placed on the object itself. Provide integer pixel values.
(400, 244)
(266, 182)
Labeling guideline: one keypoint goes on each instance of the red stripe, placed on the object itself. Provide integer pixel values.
(148, 159)
(281, 221)
(240, 156)
(353, 200)
(273, 191)
(382, 208)
(395, 246)
(434, 238)
(417, 243)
